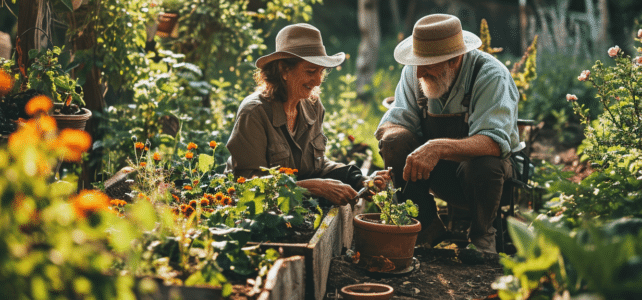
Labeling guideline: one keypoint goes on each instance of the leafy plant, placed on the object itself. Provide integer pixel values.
(552, 260)
(393, 213)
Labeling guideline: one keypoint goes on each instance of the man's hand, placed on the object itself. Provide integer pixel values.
(420, 162)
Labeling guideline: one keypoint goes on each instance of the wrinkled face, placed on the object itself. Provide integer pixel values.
(303, 80)
(437, 79)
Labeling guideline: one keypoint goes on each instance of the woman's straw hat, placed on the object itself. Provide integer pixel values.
(304, 41)
(435, 38)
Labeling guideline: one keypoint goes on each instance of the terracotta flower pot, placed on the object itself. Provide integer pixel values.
(395, 243)
(367, 291)
(166, 25)
(72, 121)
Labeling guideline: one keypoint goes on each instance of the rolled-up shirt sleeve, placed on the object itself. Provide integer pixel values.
(494, 109)
(248, 143)
(404, 110)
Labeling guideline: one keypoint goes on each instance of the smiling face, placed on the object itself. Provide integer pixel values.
(303, 80)
(437, 79)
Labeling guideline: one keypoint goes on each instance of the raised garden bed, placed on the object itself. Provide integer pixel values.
(326, 243)
(284, 281)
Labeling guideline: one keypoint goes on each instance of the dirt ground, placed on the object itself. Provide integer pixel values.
(442, 274)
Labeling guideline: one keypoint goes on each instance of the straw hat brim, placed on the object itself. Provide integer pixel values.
(405, 55)
(324, 61)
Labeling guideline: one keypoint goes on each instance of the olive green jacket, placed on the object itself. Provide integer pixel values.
(260, 138)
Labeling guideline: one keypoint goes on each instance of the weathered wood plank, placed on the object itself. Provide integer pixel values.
(347, 215)
(286, 280)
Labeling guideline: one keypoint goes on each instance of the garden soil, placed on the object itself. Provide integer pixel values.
(442, 274)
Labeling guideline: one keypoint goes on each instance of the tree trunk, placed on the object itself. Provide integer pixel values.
(26, 35)
(368, 15)
(94, 99)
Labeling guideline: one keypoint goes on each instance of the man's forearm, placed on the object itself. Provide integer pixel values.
(464, 149)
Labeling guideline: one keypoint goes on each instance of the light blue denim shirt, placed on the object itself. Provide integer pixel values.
(493, 105)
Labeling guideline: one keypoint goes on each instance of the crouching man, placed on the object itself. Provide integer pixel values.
(451, 127)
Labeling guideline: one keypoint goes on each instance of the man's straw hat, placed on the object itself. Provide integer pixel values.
(304, 41)
(435, 38)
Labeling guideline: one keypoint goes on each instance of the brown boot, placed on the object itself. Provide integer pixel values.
(433, 234)
(485, 243)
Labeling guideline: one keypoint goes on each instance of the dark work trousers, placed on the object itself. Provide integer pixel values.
(475, 185)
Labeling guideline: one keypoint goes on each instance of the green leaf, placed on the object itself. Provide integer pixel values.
(523, 238)
(205, 162)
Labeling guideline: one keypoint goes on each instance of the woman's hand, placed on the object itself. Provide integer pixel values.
(335, 191)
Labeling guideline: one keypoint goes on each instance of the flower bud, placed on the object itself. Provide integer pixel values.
(571, 97)
(134, 138)
(613, 51)
(584, 76)
(640, 33)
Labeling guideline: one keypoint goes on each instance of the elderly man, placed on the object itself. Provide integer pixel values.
(451, 128)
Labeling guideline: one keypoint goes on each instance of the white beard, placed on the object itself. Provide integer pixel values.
(435, 87)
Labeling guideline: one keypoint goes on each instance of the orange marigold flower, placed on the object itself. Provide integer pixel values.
(289, 171)
(192, 203)
(241, 180)
(6, 83)
(205, 202)
(288, 225)
(295, 170)
(189, 211)
(73, 144)
(156, 156)
(89, 201)
(231, 190)
(213, 144)
(219, 197)
(146, 148)
(143, 164)
(46, 124)
(209, 197)
(195, 181)
(189, 155)
(38, 104)
(227, 200)
(191, 146)
(176, 198)
(141, 195)
(139, 146)
(187, 187)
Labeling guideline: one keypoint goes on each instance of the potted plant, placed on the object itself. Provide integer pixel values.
(168, 18)
(385, 241)
(45, 76)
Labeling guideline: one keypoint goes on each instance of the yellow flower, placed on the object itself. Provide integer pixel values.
(189, 155)
(38, 104)
(191, 146)
(89, 201)
(231, 190)
(156, 156)
(6, 83)
(205, 202)
(192, 203)
(241, 180)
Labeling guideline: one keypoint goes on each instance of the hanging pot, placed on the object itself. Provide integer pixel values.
(75, 121)
(393, 243)
(367, 291)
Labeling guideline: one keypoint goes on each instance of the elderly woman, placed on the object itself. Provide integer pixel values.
(281, 124)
